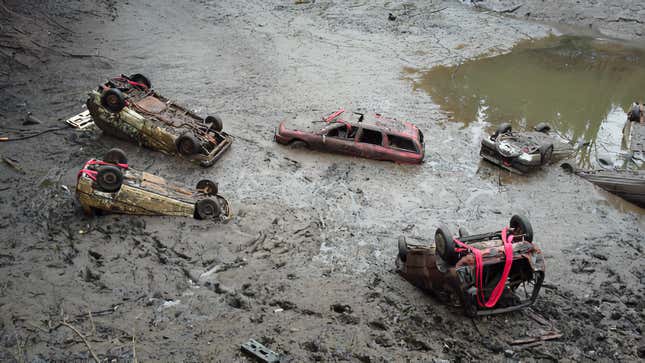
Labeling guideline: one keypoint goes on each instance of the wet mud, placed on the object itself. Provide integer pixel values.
(306, 264)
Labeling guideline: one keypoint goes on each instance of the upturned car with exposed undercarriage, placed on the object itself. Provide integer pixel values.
(111, 185)
(128, 108)
(487, 273)
(521, 152)
(371, 136)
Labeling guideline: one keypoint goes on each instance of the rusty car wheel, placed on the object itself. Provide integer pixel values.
(207, 209)
(521, 226)
(187, 144)
(109, 178)
(298, 144)
(542, 127)
(207, 187)
(546, 154)
(444, 244)
(140, 78)
(115, 156)
(113, 100)
(568, 167)
(215, 123)
(403, 249)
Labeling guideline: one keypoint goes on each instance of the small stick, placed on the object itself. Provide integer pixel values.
(89, 313)
(134, 348)
(87, 344)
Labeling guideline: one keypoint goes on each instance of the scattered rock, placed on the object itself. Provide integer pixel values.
(341, 309)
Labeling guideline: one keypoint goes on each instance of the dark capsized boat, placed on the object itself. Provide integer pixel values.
(627, 184)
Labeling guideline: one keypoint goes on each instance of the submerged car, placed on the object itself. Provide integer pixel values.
(520, 152)
(485, 273)
(374, 137)
(127, 108)
(625, 183)
(112, 185)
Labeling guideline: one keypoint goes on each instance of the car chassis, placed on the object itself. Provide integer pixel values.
(127, 108)
(112, 185)
(481, 272)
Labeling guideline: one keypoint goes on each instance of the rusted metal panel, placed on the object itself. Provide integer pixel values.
(143, 194)
(131, 200)
(423, 267)
(373, 137)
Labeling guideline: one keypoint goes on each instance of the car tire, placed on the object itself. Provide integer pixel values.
(444, 245)
(187, 144)
(502, 129)
(207, 187)
(140, 78)
(546, 154)
(115, 156)
(215, 123)
(568, 167)
(207, 209)
(521, 225)
(298, 144)
(403, 249)
(109, 178)
(542, 127)
(113, 100)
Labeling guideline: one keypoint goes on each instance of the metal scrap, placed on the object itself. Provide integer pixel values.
(260, 352)
(81, 121)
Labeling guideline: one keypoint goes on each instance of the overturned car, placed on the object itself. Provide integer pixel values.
(112, 185)
(522, 152)
(127, 108)
(374, 137)
(485, 273)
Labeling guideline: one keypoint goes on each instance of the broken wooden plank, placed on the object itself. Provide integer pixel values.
(542, 338)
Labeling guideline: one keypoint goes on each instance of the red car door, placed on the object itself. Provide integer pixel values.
(341, 139)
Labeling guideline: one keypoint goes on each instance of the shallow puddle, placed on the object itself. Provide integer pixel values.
(582, 87)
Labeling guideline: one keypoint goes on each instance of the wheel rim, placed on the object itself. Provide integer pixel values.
(185, 147)
(109, 178)
(208, 210)
(112, 100)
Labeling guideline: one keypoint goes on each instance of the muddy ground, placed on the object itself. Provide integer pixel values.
(312, 232)
(623, 19)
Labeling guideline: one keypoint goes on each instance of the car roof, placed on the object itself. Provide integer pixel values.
(384, 124)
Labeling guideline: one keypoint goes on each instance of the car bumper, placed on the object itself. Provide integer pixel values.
(210, 159)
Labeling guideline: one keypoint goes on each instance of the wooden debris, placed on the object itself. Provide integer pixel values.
(12, 163)
(531, 340)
